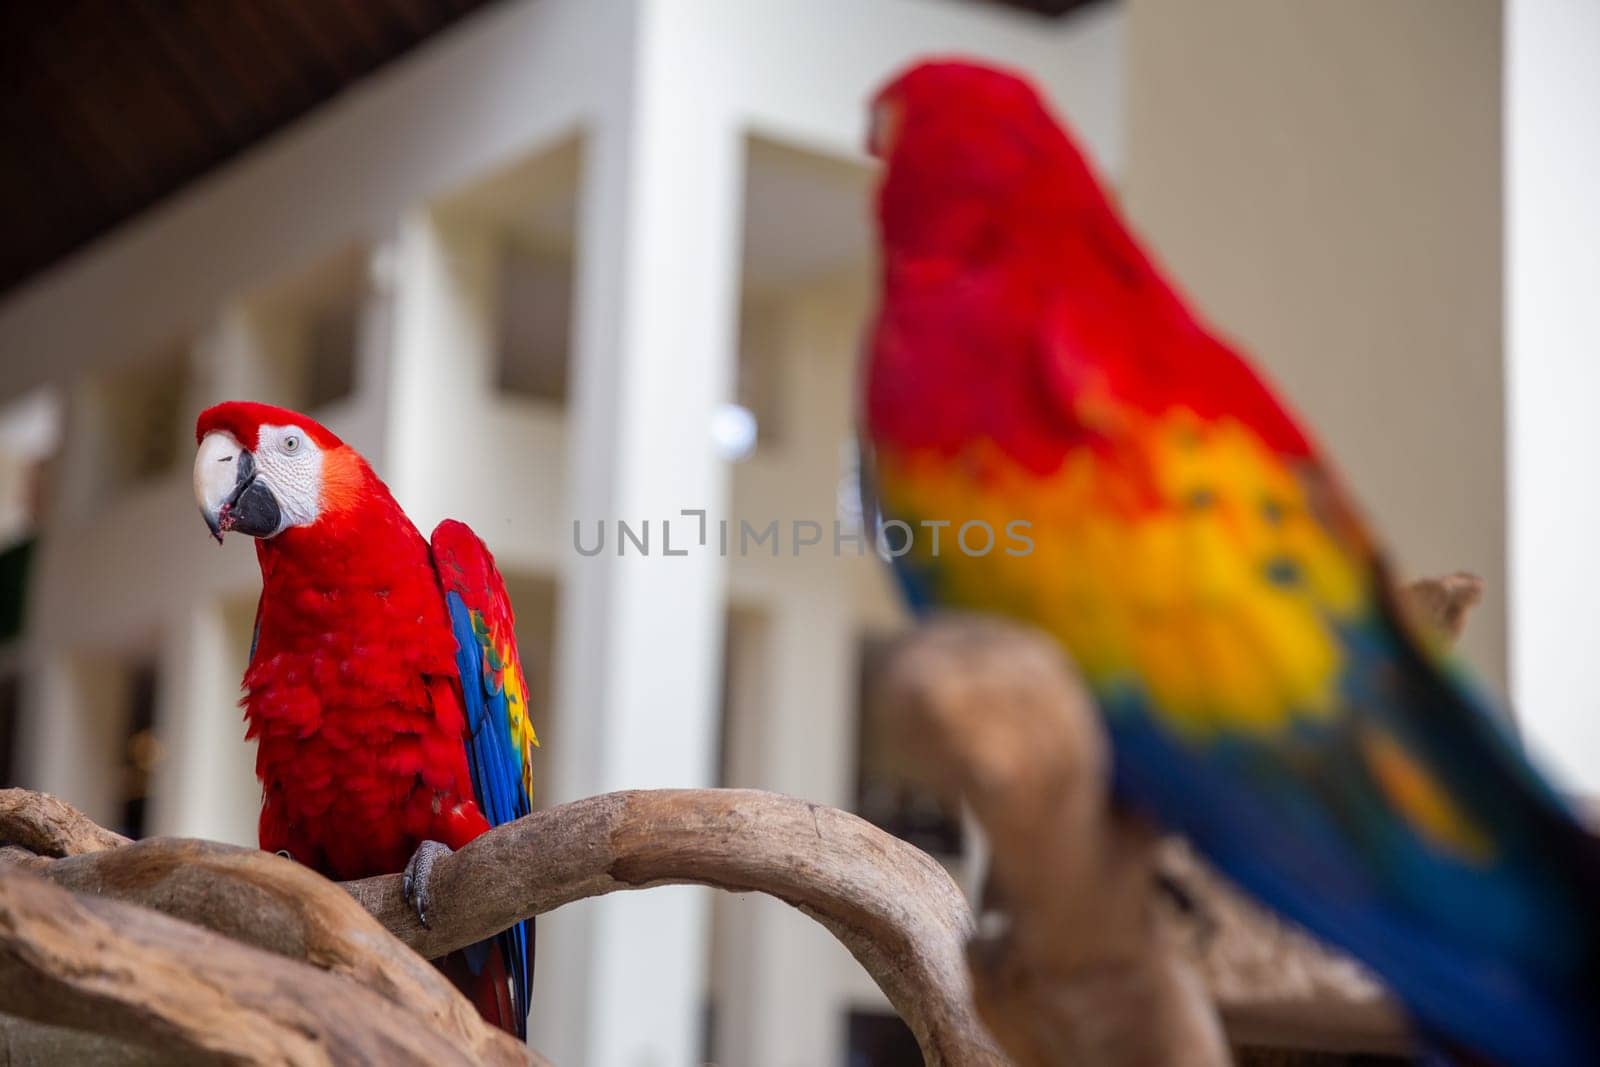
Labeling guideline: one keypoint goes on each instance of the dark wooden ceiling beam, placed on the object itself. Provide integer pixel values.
(107, 106)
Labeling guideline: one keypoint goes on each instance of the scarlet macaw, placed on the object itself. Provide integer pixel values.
(384, 690)
(1192, 550)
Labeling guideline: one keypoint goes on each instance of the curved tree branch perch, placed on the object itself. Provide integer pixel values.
(47, 826)
(109, 968)
(890, 904)
(270, 903)
(893, 906)
(1072, 967)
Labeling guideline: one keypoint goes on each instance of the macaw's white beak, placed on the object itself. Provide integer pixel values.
(231, 493)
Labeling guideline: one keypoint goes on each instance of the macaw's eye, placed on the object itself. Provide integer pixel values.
(291, 444)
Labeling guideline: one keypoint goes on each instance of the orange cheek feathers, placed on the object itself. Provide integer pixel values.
(344, 480)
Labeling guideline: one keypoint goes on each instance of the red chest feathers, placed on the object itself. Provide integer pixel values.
(351, 697)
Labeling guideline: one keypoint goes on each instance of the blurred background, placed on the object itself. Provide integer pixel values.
(553, 263)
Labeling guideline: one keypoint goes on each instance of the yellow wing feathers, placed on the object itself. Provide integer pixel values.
(1217, 587)
(501, 663)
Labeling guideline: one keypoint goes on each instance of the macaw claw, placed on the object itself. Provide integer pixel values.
(414, 883)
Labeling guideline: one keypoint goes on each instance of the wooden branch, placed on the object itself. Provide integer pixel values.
(890, 904)
(1445, 603)
(275, 904)
(1071, 967)
(24, 1042)
(893, 906)
(108, 968)
(47, 826)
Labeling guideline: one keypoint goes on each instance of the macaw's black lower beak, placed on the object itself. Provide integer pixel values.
(250, 508)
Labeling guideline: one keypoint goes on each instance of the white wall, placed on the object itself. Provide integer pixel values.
(1552, 290)
(1324, 181)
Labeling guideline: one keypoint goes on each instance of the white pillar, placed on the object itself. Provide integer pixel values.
(641, 637)
(205, 783)
(438, 376)
(73, 732)
(788, 1011)
(1552, 275)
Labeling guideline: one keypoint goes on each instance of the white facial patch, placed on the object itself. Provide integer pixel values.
(291, 465)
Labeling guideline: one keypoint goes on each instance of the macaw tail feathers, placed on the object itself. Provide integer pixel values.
(483, 975)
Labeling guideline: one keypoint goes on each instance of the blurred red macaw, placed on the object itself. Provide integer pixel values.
(1186, 541)
(384, 689)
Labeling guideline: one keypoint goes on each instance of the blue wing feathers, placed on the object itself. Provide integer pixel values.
(1310, 875)
(496, 767)
(1499, 954)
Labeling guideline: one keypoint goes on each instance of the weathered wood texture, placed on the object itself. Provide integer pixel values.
(104, 967)
(890, 904)
(1071, 966)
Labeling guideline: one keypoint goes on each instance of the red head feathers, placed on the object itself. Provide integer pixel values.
(972, 150)
(1017, 305)
(244, 419)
